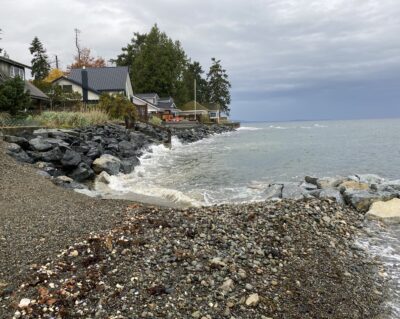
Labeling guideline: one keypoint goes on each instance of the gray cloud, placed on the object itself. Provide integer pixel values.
(280, 54)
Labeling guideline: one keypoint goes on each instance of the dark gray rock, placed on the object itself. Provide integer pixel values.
(21, 156)
(308, 186)
(331, 193)
(128, 165)
(71, 158)
(311, 180)
(53, 155)
(13, 148)
(362, 199)
(293, 191)
(93, 153)
(39, 144)
(23, 142)
(126, 149)
(82, 173)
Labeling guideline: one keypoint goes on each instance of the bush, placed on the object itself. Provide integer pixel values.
(204, 118)
(155, 120)
(71, 119)
(13, 97)
(117, 106)
(4, 118)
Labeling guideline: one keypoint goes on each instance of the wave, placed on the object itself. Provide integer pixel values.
(249, 128)
(278, 127)
(320, 125)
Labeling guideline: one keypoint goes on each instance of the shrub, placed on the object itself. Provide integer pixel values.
(155, 120)
(71, 119)
(117, 106)
(204, 118)
(4, 118)
(13, 97)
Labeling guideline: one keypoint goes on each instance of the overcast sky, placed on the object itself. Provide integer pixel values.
(287, 59)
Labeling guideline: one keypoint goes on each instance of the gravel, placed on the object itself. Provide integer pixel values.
(64, 255)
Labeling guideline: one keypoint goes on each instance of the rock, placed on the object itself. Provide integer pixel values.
(67, 182)
(74, 253)
(329, 182)
(390, 186)
(23, 142)
(13, 148)
(370, 178)
(71, 158)
(308, 186)
(103, 177)
(196, 314)
(274, 191)
(388, 211)
(217, 262)
(227, 285)
(293, 191)
(252, 300)
(93, 153)
(40, 144)
(126, 149)
(331, 193)
(311, 180)
(353, 185)
(82, 172)
(53, 155)
(128, 165)
(21, 156)
(107, 163)
(362, 199)
(25, 302)
(44, 174)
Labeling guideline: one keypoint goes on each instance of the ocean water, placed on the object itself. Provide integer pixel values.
(238, 166)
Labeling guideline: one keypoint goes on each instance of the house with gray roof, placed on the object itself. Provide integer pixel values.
(92, 82)
(10, 69)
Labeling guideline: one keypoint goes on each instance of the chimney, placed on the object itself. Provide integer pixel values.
(85, 85)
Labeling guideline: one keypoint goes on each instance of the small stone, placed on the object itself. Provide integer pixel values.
(74, 253)
(249, 287)
(196, 314)
(24, 303)
(252, 300)
(227, 285)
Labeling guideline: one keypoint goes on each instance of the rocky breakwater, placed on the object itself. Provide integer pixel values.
(74, 156)
(286, 259)
(366, 193)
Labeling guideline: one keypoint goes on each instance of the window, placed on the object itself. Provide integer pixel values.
(16, 71)
(67, 88)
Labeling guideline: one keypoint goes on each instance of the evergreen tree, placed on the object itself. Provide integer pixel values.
(218, 86)
(1, 50)
(40, 63)
(194, 71)
(130, 52)
(13, 96)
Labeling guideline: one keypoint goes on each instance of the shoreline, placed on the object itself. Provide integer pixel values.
(331, 222)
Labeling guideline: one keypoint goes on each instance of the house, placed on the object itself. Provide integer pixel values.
(92, 82)
(192, 111)
(166, 108)
(11, 69)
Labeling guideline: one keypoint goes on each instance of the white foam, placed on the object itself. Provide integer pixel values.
(249, 128)
(278, 127)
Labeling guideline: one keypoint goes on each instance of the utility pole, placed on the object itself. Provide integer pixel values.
(77, 32)
(57, 62)
(195, 103)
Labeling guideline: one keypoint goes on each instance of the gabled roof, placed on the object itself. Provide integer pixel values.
(12, 62)
(166, 104)
(103, 79)
(75, 82)
(147, 95)
(137, 99)
(189, 106)
(34, 92)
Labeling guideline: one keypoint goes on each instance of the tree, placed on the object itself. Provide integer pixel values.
(218, 86)
(1, 50)
(84, 59)
(130, 52)
(40, 63)
(194, 71)
(53, 75)
(157, 63)
(13, 96)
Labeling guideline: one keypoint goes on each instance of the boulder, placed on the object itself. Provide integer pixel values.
(53, 155)
(40, 144)
(352, 185)
(331, 193)
(67, 182)
(126, 149)
(293, 191)
(21, 156)
(107, 163)
(311, 180)
(71, 158)
(274, 191)
(23, 142)
(329, 182)
(127, 165)
(82, 172)
(93, 152)
(362, 199)
(390, 186)
(388, 211)
(370, 178)
(13, 148)
(103, 177)
(308, 186)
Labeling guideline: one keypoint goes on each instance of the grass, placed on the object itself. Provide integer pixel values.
(71, 119)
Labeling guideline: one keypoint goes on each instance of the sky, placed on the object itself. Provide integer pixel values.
(286, 59)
